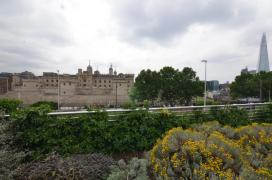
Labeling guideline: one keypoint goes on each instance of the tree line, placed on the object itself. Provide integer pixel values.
(168, 85)
(252, 85)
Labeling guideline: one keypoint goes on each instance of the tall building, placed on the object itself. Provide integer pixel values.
(263, 62)
(213, 85)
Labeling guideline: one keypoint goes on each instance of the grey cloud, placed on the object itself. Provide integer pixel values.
(162, 20)
(28, 32)
(226, 58)
(12, 62)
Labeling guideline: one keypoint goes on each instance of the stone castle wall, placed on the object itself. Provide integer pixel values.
(81, 89)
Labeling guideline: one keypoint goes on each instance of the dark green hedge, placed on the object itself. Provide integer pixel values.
(51, 104)
(40, 134)
(134, 131)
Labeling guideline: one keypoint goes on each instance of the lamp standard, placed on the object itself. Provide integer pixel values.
(116, 95)
(58, 91)
(7, 84)
(205, 84)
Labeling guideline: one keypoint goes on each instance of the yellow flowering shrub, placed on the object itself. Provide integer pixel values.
(209, 151)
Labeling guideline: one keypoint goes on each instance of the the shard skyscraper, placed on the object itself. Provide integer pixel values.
(263, 62)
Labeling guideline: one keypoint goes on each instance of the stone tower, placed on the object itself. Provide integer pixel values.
(111, 70)
(89, 68)
(263, 62)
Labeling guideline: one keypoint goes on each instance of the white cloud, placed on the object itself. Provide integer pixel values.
(44, 35)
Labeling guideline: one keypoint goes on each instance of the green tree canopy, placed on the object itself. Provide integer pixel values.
(168, 85)
(147, 85)
(252, 85)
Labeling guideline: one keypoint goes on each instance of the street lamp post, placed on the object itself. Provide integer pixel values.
(58, 91)
(205, 84)
(116, 95)
(7, 85)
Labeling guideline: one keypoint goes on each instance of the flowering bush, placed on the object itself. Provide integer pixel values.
(210, 151)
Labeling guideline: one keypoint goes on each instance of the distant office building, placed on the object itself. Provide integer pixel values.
(213, 85)
(224, 93)
(252, 72)
(245, 70)
(263, 62)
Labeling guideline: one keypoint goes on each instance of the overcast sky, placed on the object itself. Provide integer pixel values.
(46, 35)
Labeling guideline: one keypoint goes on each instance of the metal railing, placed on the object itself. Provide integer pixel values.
(251, 107)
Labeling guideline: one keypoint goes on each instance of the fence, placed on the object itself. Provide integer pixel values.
(251, 108)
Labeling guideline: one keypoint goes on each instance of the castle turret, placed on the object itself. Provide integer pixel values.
(111, 70)
(79, 71)
(89, 69)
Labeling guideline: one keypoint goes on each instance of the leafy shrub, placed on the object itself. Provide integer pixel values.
(51, 104)
(10, 158)
(264, 114)
(200, 102)
(41, 134)
(230, 116)
(9, 105)
(129, 105)
(146, 104)
(214, 152)
(89, 166)
(136, 169)
(138, 130)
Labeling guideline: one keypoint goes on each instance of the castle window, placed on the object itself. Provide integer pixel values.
(69, 83)
(109, 85)
(104, 85)
(104, 81)
(52, 80)
(57, 80)
(100, 81)
(99, 85)
(84, 80)
(128, 81)
(46, 84)
(120, 84)
(64, 84)
(109, 81)
(64, 92)
(84, 84)
(46, 80)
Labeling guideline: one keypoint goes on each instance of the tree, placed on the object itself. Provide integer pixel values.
(168, 77)
(170, 85)
(188, 86)
(147, 85)
(252, 85)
